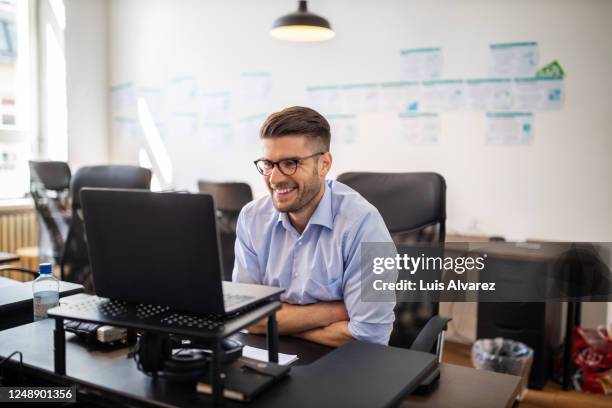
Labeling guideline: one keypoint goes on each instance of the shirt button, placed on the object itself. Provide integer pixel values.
(295, 274)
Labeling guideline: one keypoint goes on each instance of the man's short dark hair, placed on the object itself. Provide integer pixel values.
(298, 120)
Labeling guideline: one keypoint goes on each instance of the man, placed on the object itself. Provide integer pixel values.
(305, 237)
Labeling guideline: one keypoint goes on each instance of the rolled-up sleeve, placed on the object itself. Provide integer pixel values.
(246, 264)
(370, 321)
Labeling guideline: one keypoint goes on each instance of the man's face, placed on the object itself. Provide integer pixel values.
(294, 192)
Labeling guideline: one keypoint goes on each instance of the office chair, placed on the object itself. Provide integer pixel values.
(74, 264)
(50, 190)
(229, 199)
(413, 206)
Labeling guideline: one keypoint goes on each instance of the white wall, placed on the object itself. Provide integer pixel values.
(556, 188)
(86, 50)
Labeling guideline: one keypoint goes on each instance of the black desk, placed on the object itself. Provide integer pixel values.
(115, 376)
(124, 384)
(16, 305)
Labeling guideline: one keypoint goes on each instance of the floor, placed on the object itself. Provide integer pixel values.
(550, 397)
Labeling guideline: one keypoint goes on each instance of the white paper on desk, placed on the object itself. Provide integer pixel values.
(262, 355)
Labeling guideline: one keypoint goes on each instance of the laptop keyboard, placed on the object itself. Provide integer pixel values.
(230, 300)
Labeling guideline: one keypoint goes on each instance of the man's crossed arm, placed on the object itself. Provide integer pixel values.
(323, 322)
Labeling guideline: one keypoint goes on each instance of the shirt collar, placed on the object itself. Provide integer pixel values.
(321, 216)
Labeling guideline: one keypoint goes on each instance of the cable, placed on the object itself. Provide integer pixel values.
(20, 362)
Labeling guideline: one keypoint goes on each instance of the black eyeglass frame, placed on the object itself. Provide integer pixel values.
(296, 161)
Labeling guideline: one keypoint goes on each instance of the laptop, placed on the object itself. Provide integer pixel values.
(161, 249)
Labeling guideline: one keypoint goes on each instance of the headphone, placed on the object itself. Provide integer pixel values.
(179, 360)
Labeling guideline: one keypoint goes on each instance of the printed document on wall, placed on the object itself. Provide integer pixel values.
(418, 64)
(182, 94)
(399, 96)
(216, 107)
(539, 93)
(443, 95)
(509, 128)
(490, 94)
(419, 128)
(123, 101)
(326, 99)
(513, 59)
(360, 98)
(344, 128)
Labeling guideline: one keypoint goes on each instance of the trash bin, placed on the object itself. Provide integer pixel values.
(504, 356)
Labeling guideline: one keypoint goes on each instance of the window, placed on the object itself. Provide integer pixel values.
(18, 119)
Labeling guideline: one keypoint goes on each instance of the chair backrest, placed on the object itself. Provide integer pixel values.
(408, 202)
(74, 264)
(110, 176)
(229, 198)
(49, 187)
(411, 204)
(53, 175)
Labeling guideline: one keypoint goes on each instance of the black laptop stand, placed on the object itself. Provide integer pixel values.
(159, 319)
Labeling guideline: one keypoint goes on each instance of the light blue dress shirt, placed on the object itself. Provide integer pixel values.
(321, 264)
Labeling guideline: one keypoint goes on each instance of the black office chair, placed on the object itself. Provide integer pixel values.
(413, 206)
(74, 265)
(229, 199)
(50, 190)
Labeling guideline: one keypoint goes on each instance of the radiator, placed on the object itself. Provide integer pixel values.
(18, 228)
(19, 235)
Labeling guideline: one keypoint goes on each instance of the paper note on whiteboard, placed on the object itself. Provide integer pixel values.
(490, 94)
(509, 128)
(182, 94)
(443, 95)
(360, 98)
(325, 99)
(513, 59)
(216, 107)
(538, 94)
(399, 96)
(248, 129)
(343, 128)
(420, 63)
(419, 128)
(123, 101)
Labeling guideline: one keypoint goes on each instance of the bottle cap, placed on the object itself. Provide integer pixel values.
(45, 269)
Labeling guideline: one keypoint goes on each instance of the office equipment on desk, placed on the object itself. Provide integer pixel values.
(229, 199)
(413, 206)
(74, 264)
(161, 272)
(50, 190)
(173, 254)
(16, 305)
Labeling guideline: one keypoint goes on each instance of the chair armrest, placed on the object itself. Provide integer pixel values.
(19, 269)
(429, 334)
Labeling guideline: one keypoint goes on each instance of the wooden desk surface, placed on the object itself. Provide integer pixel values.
(6, 257)
(467, 387)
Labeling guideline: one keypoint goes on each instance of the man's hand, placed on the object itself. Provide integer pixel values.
(334, 335)
(294, 319)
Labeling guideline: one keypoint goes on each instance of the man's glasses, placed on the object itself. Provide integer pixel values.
(286, 166)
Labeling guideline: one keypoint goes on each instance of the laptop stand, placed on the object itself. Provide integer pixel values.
(160, 319)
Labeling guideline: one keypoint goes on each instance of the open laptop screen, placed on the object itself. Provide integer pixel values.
(154, 248)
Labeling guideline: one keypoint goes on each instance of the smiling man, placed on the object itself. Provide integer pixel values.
(305, 237)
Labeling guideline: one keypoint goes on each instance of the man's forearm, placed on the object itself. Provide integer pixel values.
(334, 335)
(300, 318)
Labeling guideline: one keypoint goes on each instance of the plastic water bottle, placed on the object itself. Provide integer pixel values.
(46, 292)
